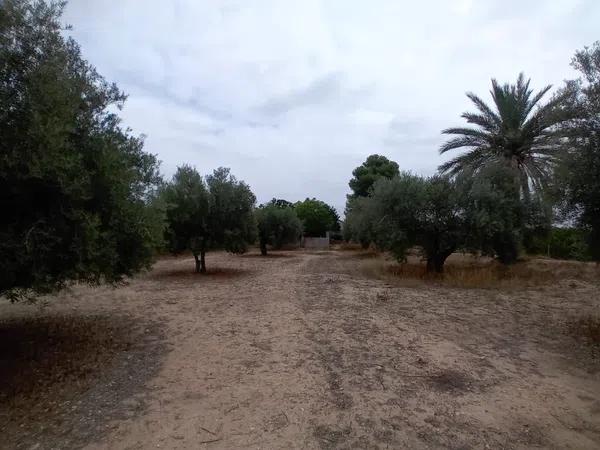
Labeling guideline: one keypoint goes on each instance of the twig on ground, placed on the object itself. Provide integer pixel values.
(209, 441)
(207, 430)
(232, 408)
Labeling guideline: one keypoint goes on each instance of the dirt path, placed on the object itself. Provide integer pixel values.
(300, 350)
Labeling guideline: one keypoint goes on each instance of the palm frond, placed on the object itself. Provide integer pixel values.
(546, 116)
(536, 99)
(481, 120)
(473, 160)
(510, 102)
(459, 142)
(517, 130)
(464, 131)
(484, 109)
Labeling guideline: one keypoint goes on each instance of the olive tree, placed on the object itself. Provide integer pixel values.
(442, 222)
(410, 211)
(187, 207)
(357, 223)
(215, 212)
(277, 226)
(76, 189)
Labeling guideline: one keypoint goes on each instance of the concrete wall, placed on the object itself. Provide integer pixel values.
(315, 243)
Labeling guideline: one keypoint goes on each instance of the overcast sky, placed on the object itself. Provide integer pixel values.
(292, 95)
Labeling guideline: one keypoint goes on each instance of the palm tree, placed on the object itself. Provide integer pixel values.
(518, 132)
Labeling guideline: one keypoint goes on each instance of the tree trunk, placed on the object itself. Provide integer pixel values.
(202, 262)
(507, 253)
(594, 242)
(506, 247)
(435, 262)
(430, 265)
(263, 247)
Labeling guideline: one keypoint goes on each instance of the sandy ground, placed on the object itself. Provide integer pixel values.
(298, 350)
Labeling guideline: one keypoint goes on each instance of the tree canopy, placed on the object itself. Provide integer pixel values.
(206, 214)
(407, 211)
(277, 226)
(279, 203)
(495, 212)
(579, 174)
(75, 187)
(317, 217)
(517, 131)
(365, 175)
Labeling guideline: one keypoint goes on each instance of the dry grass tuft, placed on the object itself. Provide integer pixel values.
(493, 274)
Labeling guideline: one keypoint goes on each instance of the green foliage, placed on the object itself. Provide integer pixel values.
(518, 133)
(317, 217)
(442, 222)
(186, 200)
(561, 243)
(280, 203)
(568, 243)
(208, 214)
(76, 190)
(357, 224)
(495, 213)
(537, 221)
(407, 211)
(393, 208)
(277, 226)
(365, 175)
(441, 215)
(335, 217)
(232, 223)
(578, 177)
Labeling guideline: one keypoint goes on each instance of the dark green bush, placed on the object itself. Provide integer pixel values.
(568, 243)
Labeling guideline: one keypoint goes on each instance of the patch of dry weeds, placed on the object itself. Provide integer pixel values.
(480, 273)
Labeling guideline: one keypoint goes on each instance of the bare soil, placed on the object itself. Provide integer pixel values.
(299, 350)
